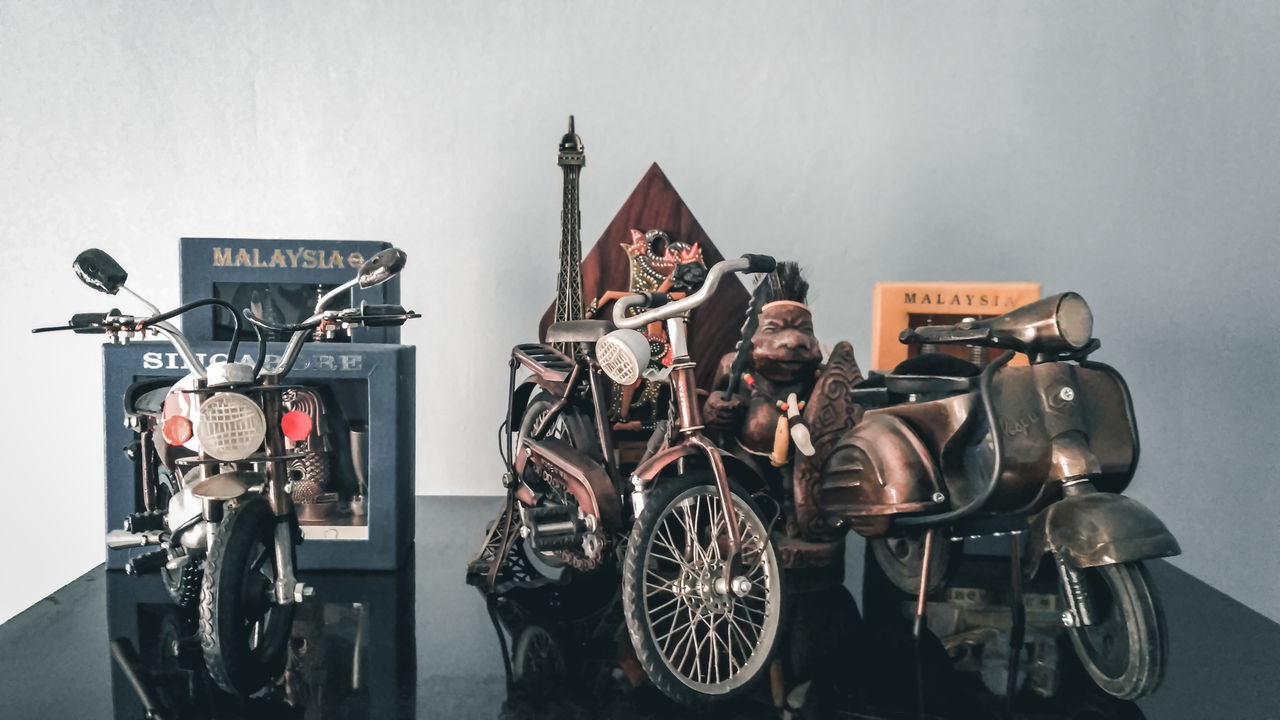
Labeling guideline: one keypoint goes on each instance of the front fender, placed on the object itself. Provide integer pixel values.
(747, 477)
(228, 485)
(1101, 528)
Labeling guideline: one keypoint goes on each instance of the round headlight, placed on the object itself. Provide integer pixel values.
(230, 426)
(623, 354)
(1075, 320)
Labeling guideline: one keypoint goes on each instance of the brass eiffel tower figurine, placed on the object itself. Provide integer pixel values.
(569, 302)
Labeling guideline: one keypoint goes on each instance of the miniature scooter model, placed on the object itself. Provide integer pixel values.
(700, 591)
(230, 512)
(1042, 450)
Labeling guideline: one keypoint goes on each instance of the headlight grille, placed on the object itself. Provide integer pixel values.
(230, 426)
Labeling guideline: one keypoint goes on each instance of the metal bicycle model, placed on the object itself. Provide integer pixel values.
(700, 579)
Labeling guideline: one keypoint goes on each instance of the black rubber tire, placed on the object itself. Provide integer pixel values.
(675, 683)
(235, 595)
(1124, 650)
(899, 559)
(538, 656)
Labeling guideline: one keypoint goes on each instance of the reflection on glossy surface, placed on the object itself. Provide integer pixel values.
(351, 653)
(420, 643)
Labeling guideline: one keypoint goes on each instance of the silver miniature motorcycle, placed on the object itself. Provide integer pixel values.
(226, 517)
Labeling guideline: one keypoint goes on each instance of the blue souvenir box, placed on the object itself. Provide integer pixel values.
(279, 279)
(360, 384)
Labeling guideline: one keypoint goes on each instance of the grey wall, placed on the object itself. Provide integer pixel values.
(1124, 150)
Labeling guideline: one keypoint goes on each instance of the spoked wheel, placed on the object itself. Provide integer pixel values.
(1124, 649)
(243, 632)
(698, 637)
(900, 558)
(538, 657)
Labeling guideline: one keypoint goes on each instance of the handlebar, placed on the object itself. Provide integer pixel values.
(660, 309)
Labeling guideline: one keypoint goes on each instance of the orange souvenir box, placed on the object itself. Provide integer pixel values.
(896, 306)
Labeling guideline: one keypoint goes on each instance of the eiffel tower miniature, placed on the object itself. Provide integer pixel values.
(569, 302)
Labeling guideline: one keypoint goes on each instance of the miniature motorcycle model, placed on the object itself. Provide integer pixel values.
(227, 517)
(700, 592)
(1042, 450)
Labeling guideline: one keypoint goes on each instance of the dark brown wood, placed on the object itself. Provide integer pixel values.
(655, 204)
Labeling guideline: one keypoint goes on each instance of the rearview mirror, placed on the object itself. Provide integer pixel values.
(381, 267)
(99, 271)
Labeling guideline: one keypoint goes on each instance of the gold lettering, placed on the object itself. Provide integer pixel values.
(293, 257)
(309, 259)
(221, 257)
(277, 259)
(335, 259)
(242, 258)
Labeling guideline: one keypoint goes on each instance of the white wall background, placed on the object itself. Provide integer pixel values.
(1128, 151)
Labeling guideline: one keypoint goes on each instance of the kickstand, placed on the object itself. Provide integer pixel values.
(1018, 627)
(491, 603)
(919, 627)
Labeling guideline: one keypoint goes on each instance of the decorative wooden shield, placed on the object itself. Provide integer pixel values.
(655, 205)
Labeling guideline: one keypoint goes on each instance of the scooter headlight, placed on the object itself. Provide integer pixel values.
(230, 426)
(1074, 320)
(623, 354)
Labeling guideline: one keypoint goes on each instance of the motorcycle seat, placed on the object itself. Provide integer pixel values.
(928, 384)
(587, 331)
(934, 374)
(146, 397)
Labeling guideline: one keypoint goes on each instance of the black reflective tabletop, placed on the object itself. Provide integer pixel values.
(421, 643)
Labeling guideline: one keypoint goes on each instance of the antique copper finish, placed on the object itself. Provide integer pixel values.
(1057, 421)
(682, 388)
(583, 477)
(1090, 528)
(830, 412)
(551, 368)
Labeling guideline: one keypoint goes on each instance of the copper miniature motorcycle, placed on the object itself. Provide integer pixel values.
(1041, 451)
(700, 593)
(228, 519)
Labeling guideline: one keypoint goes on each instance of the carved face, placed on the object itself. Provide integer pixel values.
(784, 347)
(654, 256)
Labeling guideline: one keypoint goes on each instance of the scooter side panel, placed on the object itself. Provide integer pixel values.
(878, 469)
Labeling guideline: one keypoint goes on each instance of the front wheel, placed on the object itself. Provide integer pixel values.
(1124, 649)
(243, 632)
(697, 637)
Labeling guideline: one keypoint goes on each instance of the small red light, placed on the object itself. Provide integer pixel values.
(176, 430)
(296, 425)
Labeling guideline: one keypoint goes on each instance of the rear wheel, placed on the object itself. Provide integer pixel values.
(697, 637)
(244, 634)
(573, 428)
(1124, 649)
(901, 558)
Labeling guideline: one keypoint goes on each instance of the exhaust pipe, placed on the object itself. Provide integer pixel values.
(120, 539)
